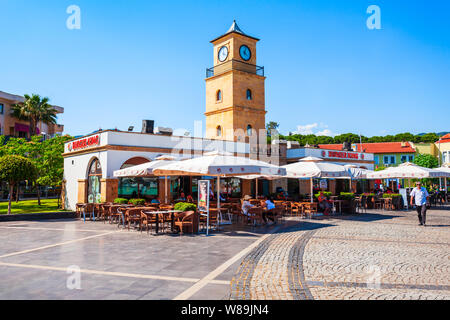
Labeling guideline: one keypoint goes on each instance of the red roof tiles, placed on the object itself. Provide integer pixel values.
(381, 147)
(444, 139)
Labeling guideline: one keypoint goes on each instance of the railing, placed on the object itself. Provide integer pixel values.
(234, 65)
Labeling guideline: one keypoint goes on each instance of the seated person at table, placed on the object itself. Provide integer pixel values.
(324, 204)
(182, 196)
(267, 213)
(246, 205)
(155, 201)
(190, 198)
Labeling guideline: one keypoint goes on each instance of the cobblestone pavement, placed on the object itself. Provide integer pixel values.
(376, 255)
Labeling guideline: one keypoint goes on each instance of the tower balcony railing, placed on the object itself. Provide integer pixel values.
(234, 65)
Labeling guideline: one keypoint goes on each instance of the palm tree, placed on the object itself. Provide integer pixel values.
(34, 110)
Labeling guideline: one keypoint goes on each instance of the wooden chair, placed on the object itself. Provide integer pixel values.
(278, 213)
(287, 208)
(185, 220)
(213, 218)
(88, 209)
(378, 203)
(296, 209)
(114, 214)
(147, 220)
(133, 216)
(104, 211)
(361, 204)
(310, 209)
(79, 207)
(255, 215)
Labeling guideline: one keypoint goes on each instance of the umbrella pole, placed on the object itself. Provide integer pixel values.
(218, 192)
(256, 189)
(311, 180)
(445, 193)
(165, 189)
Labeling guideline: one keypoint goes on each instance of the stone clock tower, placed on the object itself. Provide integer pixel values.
(235, 98)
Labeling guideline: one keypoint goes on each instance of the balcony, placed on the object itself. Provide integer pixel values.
(234, 65)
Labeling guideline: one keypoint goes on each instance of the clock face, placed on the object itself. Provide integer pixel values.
(245, 53)
(223, 54)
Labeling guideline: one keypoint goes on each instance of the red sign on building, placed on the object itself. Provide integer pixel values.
(84, 143)
(342, 155)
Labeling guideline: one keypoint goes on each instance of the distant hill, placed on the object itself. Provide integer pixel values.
(440, 134)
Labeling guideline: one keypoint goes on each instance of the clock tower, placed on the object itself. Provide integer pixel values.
(235, 97)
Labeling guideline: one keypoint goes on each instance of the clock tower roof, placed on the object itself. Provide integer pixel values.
(234, 29)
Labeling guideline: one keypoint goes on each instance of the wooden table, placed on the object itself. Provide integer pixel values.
(340, 205)
(158, 213)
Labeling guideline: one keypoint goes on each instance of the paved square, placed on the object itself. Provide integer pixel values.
(377, 255)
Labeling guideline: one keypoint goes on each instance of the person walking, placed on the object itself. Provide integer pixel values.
(420, 197)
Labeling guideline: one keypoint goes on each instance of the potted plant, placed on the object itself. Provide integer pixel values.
(137, 202)
(121, 201)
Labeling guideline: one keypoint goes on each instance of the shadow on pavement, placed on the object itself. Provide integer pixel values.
(367, 217)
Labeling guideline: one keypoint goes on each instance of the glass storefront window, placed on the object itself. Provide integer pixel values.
(134, 187)
(231, 187)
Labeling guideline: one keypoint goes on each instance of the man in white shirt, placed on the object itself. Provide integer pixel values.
(420, 197)
(246, 205)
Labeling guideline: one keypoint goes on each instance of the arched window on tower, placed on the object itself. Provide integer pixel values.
(219, 95)
(249, 130)
(219, 131)
(249, 94)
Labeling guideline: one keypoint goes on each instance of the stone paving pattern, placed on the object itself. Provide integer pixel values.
(378, 255)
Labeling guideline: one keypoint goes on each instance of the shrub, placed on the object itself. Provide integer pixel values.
(121, 201)
(137, 202)
(391, 195)
(325, 193)
(346, 196)
(185, 206)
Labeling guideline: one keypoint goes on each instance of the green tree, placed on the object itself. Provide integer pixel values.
(50, 163)
(426, 160)
(14, 169)
(34, 110)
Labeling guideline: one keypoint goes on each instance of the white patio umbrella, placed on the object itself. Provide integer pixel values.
(407, 171)
(356, 172)
(311, 167)
(146, 170)
(219, 164)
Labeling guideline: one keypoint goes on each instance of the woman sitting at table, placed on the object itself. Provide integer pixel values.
(268, 206)
(324, 204)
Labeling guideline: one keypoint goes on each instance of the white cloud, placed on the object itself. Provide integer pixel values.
(306, 129)
(318, 129)
(325, 132)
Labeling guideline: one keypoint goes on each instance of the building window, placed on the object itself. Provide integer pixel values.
(403, 159)
(249, 130)
(94, 181)
(446, 157)
(219, 131)
(389, 159)
(219, 95)
(375, 159)
(2, 107)
(411, 158)
(249, 94)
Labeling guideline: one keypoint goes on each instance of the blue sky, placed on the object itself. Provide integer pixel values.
(326, 71)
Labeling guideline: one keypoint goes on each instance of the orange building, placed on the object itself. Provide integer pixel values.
(235, 93)
(11, 126)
